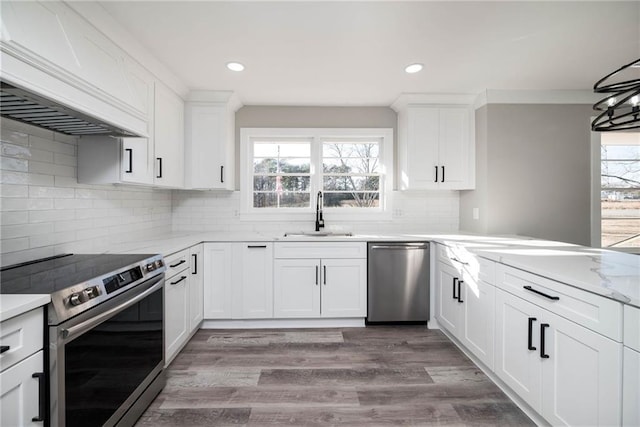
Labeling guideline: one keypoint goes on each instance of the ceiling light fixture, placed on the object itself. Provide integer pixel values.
(413, 68)
(620, 109)
(235, 66)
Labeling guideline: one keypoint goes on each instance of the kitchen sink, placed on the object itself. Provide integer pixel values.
(317, 234)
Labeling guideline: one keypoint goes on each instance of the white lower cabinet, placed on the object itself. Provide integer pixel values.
(196, 274)
(631, 388)
(183, 296)
(218, 284)
(567, 373)
(253, 290)
(22, 370)
(19, 401)
(320, 288)
(320, 280)
(465, 303)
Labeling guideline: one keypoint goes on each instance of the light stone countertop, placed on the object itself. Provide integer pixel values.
(612, 274)
(14, 305)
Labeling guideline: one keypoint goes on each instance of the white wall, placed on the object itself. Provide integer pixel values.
(44, 211)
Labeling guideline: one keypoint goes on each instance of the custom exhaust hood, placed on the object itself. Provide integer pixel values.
(28, 107)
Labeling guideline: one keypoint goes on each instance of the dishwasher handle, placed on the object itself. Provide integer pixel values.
(402, 247)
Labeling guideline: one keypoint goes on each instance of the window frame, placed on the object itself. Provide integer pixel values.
(316, 136)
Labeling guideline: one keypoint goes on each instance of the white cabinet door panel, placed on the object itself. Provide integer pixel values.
(255, 297)
(344, 288)
(135, 165)
(195, 272)
(296, 288)
(517, 365)
(478, 328)
(422, 148)
(631, 388)
(582, 380)
(448, 309)
(169, 138)
(19, 393)
(176, 297)
(454, 147)
(218, 280)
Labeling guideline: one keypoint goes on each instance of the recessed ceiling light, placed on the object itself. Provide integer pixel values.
(413, 68)
(235, 66)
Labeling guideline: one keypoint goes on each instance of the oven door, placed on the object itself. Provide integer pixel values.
(104, 360)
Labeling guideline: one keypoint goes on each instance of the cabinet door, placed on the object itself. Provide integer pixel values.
(515, 363)
(196, 305)
(207, 145)
(478, 316)
(135, 165)
(176, 297)
(631, 388)
(253, 299)
(582, 380)
(169, 138)
(296, 288)
(344, 288)
(454, 149)
(217, 280)
(448, 308)
(19, 397)
(420, 151)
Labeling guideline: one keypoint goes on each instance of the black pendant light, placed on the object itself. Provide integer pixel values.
(621, 107)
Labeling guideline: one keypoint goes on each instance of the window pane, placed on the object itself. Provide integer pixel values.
(281, 183)
(265, 200)
(281, 149)
(349, 165)
(337, 149)
(352, 200)
(620, 152)
(620, 174)
(295, 165)
(351, 183)
(620, 218)
(282, 200)
(268, 165)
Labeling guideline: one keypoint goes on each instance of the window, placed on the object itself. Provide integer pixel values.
(283, 169)
(620, 190)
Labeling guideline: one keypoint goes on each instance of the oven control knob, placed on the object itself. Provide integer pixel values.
(75, 299)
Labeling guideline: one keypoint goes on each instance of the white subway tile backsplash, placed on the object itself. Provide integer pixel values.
(11, 177)
(13, 136)
(64, 159)
(14, 245)
(14, 191)
(36, 191)
(48, 144)
(25, 230)
(53, 169)
(17, 217)
(14, 164)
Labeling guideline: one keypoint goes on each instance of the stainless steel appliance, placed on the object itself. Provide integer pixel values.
(398, 282)
(105, 334)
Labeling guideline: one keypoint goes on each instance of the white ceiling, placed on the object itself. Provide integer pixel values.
(354, 53)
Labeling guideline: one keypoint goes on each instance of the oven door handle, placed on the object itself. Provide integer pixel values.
(70, 333)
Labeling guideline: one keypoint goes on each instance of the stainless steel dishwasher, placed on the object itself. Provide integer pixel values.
(398, 282)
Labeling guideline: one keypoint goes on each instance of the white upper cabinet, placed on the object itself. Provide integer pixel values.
(210, 140)
(436, 144)
(168, 138)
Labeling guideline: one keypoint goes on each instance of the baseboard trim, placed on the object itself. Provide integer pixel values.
(283, 323)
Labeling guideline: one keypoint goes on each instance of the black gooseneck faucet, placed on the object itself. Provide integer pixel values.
(319, 220)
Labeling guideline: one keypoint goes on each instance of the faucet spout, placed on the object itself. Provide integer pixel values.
(319, 219)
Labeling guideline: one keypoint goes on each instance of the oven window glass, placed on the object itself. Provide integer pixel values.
(106, 365)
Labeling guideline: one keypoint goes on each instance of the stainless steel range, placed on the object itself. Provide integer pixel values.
(105, 333)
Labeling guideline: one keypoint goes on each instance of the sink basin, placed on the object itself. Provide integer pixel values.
(317, 234)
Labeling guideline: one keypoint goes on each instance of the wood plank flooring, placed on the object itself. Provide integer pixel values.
(373, 376)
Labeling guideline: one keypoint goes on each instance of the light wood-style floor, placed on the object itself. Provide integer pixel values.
(374, 376)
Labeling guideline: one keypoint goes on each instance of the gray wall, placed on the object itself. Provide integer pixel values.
(312, 117)
(533, 167)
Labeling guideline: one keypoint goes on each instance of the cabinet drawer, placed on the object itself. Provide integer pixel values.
(632, 327)
(462, 260)
(597, 313)
(325, 250)
(19, 397)
(176, 263)
(24, 336)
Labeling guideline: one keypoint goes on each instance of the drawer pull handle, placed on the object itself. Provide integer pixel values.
(4, 348)
(317, 269)
(41, 396)
(179, 280)
(195, 263)
(543, 326)
(256, 246)
(453, 287)
(530, 334)
(324, 275)
(458, 261)
(182, 261)
(130, 151)
(530, 289)
(460, 282)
